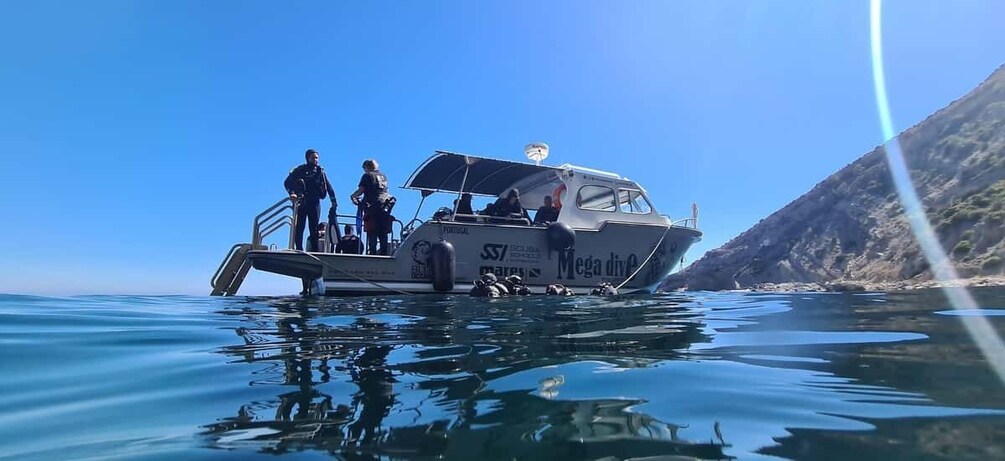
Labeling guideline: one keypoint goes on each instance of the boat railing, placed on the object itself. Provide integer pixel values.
(278, 224)
(397, 233)
(281, 214)
(480, 218)
(273, 218)
(687, 223)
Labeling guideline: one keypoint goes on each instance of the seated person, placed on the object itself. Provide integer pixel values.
(463, 207)
(349, 243)
(510, 207)
(490, 210)
(547, 213)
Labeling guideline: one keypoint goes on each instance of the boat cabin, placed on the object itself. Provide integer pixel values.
(586, 198)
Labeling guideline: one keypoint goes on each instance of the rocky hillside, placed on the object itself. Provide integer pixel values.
(851, 228)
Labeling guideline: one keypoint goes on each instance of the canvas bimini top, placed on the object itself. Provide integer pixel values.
(454, 172)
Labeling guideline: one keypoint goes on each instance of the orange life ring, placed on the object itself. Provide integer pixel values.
(556, 197)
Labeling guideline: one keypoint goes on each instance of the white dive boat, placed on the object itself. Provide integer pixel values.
(607, 231)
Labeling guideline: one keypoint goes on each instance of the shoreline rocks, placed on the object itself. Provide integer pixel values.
(856, 286)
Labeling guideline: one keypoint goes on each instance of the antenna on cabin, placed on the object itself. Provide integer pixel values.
(536, 151)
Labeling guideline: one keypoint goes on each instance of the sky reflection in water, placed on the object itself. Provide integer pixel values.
(705, 375)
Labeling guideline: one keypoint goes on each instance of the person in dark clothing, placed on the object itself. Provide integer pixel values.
(547, 213)
(464, 208)
(349, 243)
(377, 204)
(510, 207)
(307, 185)
(484, 290)
(490, 210)
(319, 245)
(604, 289)
(559, 289)
(488, 286)
(514, 284)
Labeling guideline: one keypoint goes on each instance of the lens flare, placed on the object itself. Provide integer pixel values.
(978, 326)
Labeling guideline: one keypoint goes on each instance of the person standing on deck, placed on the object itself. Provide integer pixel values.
(307, 185)
(377, 205)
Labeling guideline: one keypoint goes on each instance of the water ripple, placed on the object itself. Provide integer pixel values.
(703, 376)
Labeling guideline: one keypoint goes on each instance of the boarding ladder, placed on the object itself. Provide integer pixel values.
(235, 266)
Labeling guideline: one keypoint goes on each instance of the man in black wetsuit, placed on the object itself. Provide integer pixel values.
(308, 185)
(376, 204)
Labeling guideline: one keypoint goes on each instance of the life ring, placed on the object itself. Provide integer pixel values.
(556, 197)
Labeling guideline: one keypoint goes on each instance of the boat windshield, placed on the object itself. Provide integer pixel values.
(632, 201)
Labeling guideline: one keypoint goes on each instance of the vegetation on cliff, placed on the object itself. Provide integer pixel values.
(851, 226)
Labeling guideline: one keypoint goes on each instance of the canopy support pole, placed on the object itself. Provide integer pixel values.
(464, 180)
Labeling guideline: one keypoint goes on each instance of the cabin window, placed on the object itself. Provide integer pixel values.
(632, 201)
(596, 198)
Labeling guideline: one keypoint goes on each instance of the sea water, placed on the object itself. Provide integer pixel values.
(810, 376)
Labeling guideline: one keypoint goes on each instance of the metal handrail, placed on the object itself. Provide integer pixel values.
(396, 242)
(266, 230)
(276, 226)
(276, 208)
(268, 224)
(401, 226)
(686, 223)
(352, 216)
(275, 215)
(275, 218)
(265, 220)
(693, 220)
(488, 219)
(219, 270)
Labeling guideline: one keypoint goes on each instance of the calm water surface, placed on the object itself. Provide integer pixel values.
(697, 375)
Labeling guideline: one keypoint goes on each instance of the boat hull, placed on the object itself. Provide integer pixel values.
(639, 256)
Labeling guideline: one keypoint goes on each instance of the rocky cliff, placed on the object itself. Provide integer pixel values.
(851, 228)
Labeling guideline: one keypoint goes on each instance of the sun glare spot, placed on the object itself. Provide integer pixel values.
(978, 326)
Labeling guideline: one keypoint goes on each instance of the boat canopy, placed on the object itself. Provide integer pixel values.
(445, 172)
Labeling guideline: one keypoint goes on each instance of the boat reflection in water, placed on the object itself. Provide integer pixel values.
(452, 377)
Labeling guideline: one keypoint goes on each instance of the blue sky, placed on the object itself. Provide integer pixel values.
(138, 139)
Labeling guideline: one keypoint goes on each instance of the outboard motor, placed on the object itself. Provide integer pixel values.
(442, 265)
(561, 237)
